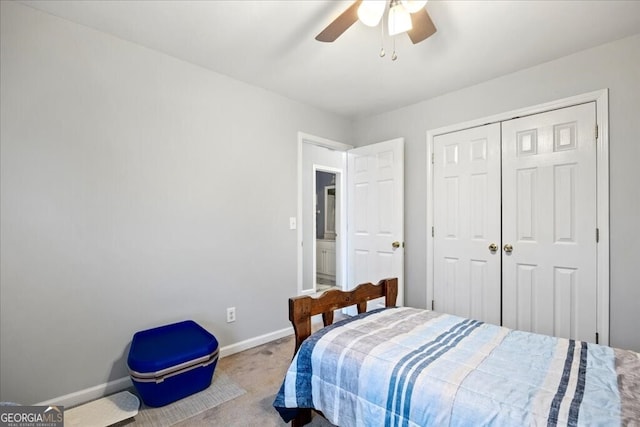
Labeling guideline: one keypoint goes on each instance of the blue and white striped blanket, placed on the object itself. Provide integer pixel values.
(411, 367)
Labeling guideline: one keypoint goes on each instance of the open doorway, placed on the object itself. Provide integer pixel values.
(322, 241)
(325, 229)
(376, 185)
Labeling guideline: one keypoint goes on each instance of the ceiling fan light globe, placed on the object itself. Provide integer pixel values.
(413, 6)
(370, 12)
(399, 20)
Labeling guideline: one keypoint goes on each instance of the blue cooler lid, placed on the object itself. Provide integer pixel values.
(166, 346)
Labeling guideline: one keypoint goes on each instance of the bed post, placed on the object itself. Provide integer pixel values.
(303, 418)
(300, 317)
(390, 292)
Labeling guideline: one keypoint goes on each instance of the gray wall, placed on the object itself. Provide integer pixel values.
(615, 66)
(131, 197)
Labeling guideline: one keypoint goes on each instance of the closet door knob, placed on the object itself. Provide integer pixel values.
(493, 247)
(395, 245)
(508, 248)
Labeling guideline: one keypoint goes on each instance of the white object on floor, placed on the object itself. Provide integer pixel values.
(103, 412)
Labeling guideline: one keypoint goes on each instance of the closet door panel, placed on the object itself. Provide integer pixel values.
(549, 220)
(466, 222)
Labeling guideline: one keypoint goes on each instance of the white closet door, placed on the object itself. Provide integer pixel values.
(466, 222)
(549, 221)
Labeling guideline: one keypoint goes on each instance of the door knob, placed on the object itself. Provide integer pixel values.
(493, 247)
(395, 244)
(508, 248)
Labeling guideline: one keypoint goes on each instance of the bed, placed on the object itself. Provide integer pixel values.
(400, 366)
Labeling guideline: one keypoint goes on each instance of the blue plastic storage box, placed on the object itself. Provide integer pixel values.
(172, 361)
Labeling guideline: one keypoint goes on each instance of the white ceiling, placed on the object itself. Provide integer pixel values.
(271, 43)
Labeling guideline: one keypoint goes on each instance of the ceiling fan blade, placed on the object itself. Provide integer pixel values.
(340, 24)
(422, 26)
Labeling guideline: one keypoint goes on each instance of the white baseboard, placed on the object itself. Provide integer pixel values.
(101, 390)
(88, 394)
(228, 350)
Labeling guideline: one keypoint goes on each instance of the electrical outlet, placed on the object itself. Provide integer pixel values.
(231, 314)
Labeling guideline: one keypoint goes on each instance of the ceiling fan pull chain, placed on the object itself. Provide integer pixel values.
(394, 56)
(382, 52)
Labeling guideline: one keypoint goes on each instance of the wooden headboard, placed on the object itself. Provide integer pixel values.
(302, 308)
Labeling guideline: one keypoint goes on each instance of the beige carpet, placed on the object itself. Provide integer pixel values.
(221, 390)
(259, 371)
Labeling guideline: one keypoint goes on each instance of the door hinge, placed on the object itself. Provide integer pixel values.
(432, 304)
(597, 235)
(432, 232)
(596, 131)
(597, 338)
(432, 158)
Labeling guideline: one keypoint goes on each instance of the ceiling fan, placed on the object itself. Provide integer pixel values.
(408, 16)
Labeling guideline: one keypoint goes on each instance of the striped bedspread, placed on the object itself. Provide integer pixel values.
(411, 367)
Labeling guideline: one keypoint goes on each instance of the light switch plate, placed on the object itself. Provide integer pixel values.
(292, 223)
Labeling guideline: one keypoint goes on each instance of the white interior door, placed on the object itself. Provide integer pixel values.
(549, 222)
(467, 259)
(375, 181)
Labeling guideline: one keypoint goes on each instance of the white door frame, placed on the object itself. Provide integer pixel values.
(601, 98)
(304, 138)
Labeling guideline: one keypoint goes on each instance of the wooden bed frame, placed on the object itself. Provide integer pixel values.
(302, 308)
